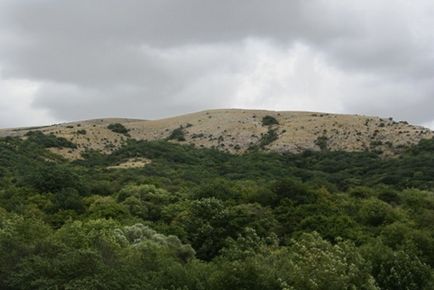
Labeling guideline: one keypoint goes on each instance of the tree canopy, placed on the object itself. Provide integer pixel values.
(204, 219)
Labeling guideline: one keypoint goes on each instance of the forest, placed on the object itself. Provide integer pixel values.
(198, 218)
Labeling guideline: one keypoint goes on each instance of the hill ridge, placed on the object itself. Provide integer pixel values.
(238, 130)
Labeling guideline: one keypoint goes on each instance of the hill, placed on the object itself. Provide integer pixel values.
(162, 215)
(237, 131)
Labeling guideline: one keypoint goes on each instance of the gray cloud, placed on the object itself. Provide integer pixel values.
(155, 58)
(171, 23)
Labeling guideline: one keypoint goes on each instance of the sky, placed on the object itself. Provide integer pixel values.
(149, 59)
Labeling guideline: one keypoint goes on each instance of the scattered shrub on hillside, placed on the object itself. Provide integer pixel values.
(200, 135)
(322, 143)
(82, 132)
(118, 128)
(49, 141)
(268, 138)
(269, 120)
(376, 143)
(177, 134)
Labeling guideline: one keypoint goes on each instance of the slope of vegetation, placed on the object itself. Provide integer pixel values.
(204, 219)
(49, 141)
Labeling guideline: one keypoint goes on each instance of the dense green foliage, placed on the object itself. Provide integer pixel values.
(49, 140)
(205, 219)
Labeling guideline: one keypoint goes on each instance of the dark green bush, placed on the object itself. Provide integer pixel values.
(118, 128)
(322, 142)
(177, 134)
(268, 138)
(269, 120)
(48, 141)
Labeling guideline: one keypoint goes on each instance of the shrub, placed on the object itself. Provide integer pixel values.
(374, 212)
(268, 138)
(52, 178)
(269, 120)
(389, 196)
(118, 128)
(376, 143)
(321, 142)
(48, 141)
(177, 134)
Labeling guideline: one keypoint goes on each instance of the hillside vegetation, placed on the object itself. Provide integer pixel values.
(185, 217)
(240, 131)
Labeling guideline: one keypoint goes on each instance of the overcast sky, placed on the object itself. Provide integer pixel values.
(81, 59)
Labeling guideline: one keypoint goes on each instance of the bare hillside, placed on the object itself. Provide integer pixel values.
(236, 131)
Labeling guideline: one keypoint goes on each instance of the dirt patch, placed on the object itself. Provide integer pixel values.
(67, 153)
(131, 163)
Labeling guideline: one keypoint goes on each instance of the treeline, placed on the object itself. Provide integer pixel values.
(203, 219)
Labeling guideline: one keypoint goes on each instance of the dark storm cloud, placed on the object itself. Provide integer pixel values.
(66, 38)
(155, 58)
(168, 22)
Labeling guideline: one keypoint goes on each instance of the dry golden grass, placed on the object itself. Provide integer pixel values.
(132, 163)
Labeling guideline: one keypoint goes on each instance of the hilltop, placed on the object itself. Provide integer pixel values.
(238, 130)
(161, 215)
